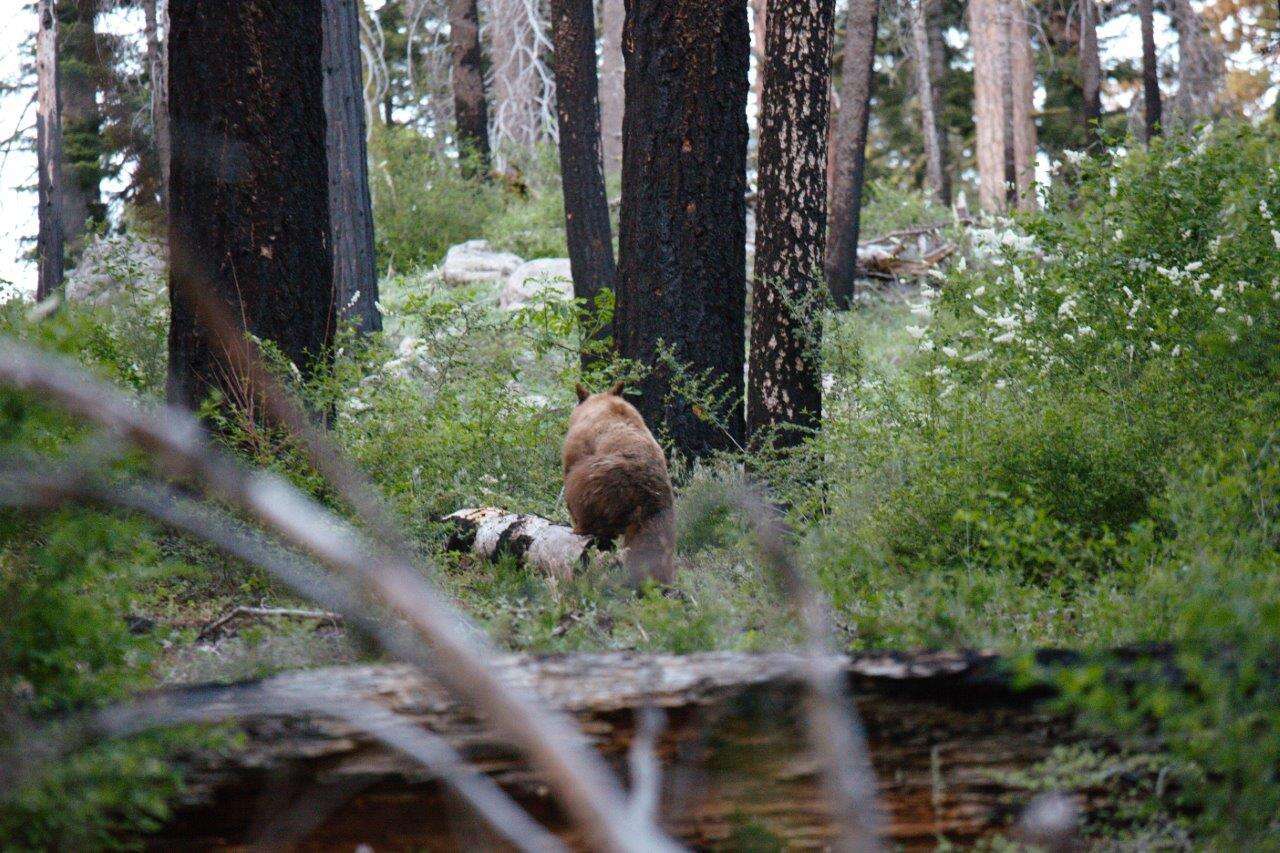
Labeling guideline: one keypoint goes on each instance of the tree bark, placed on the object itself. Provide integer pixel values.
(682, 256)
(930, 132)
(355, 278)
(850, 148)
(1022, 81)
(986, 34)
(1201, 68)
(249, 225)
(759, 37)
(784, 388)
(954, 746)
(1150, 71)
(586, 205)
(51, 237)
(82, 167)
(1090, 74)
(156, 16)
(938, 67)
(613, 15)
(470, 106)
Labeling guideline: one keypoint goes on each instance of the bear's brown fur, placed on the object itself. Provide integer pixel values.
(616, 483)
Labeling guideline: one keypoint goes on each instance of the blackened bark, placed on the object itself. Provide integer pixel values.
(470, 108)
(1090, 73)
(51, 238)
(1150, 71)
(850, 149)
(156, 16)
(612, 17)
(784, 385)
(927, 97)
(682, 248)
(82, 167)
(355, 280)
(586, 207)
(249, 201)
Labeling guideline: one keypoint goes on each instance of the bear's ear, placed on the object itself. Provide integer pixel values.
(583, 393)
(616, 388)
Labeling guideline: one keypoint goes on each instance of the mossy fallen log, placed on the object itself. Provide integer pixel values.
(949, 737)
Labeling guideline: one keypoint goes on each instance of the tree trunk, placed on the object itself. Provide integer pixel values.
(955, 748)
(938, 66)
(51, 237)
(249, 225)
(523, 93)
(1150, 71)
(156, 16)
(850, 148)
(682, 256)
(613, 15)
(1090, 74)
(586, 206)
(1022, 82)
(470, 107)
(930, 132)
(355, 278)
(1201, 68)
(759, 37)
(989, 103)
(784, 390)
(82, 155)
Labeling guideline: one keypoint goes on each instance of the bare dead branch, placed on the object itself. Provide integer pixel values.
(215, 627)
(461, 654)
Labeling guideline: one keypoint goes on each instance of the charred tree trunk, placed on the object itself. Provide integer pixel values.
(1090, 74)
(930, 132)
(586, 206)
(82, 167)
(784, 389)
(682, 256)
(50, 241)
(470, 107)
(157, 26)
(249, 224)
(955, 748)
(1150, 71)
(850, 149)
(355, 279)
(613, 14)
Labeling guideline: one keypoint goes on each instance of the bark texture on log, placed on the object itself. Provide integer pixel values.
(784, 390)
(249, 222)
(849, 149)
(470, 107)
(490, 533)
(946, 733)
(682, 247)
(1150, 70)
(355, 278)
(51, 238)
(613, 14)
(586, 206)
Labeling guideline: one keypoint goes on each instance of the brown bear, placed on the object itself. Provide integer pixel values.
(616, 483)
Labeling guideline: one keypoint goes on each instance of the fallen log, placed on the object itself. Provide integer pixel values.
(949, 738)
(542, 545)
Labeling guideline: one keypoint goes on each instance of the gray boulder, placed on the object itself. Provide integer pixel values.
(550, 276)
(475, 261)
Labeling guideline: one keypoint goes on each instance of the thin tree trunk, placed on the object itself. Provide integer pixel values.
(613, 15)
(1150, 70)
(82, 167)
(586, 207)
(355, 279)
(50, 241)
(985, 34)
(682, 257)
(470, 106)
(249, 223)
(784, 389)
(929, 131)
(1021, 87)
(850, 149)
(759, 30)
(938, 66)
(157, 26)
(1201, 68)
(1090, 74)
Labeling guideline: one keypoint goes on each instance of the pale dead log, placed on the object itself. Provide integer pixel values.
(491, 533)
(947, 734)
